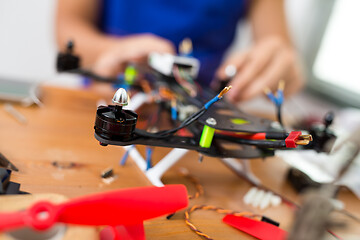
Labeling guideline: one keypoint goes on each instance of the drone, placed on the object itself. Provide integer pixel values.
(201, 120)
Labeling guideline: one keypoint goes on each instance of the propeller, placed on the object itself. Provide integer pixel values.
(121, 207)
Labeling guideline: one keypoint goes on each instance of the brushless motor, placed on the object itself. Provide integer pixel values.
(113, 122)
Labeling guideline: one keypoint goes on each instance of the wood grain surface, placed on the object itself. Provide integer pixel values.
(62, 132)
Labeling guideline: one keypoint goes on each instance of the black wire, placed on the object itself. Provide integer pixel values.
(90, 74)
(167, 133)
(257, 143)
(276, 135)
(279, 115)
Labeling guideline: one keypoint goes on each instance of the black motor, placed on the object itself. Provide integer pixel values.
(115, 123)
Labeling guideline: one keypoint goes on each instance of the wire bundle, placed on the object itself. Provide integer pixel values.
(277, 99)
(200, 191)
(186, 122)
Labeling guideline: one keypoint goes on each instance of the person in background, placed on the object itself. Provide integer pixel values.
(110, 33)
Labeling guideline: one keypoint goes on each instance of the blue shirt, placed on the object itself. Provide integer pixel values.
(210, 24)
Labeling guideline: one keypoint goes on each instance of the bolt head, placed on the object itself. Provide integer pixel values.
(121, 98)
(211, 121)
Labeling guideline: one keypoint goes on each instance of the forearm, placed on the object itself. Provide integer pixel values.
(268, 19)
(80, 27)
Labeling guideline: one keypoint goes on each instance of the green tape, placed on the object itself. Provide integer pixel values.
(239, 121)
(207, 136)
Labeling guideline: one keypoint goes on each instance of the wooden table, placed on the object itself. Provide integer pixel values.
(62, 132)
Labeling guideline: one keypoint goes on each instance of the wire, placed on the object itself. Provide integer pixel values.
(216, 209)
(199, 188)
(200, 191)
(277, 99)
(258, 143)
(255, 136)
(189, 88)
(90, 74)
(279, 116)
(334, 235)
(186, 122)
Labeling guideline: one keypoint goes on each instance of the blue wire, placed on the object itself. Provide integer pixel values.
(280, 97)
(173, 113)
(276, 100)
(211, 102)
(149, 151)
(272, 97)
(126, 155)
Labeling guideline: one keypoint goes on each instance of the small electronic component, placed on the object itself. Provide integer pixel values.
(63, 164)
(109, 172)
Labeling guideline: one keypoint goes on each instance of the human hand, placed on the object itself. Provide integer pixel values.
(264, 65)
(135, 48)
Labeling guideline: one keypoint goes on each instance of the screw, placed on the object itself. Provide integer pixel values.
(211, 121)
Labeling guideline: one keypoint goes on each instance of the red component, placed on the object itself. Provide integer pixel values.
(133, 232)
(258, 229)
(129, 207)
(184, 133)
(290, 140)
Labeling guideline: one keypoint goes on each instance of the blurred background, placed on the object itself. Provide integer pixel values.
(324, 31)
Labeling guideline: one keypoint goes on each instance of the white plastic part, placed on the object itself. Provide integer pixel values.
(258, 198)
(249, 196)
(155, 173)
(164, 63)
(265, 202)
(275, 201)
(137, 101)
(136, 156)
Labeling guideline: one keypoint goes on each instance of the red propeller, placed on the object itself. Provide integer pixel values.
(129, 207)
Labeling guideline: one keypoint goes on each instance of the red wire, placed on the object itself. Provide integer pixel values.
(252, 136)
(335, 235)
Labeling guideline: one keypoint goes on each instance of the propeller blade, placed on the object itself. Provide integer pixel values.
(9, 221)
(121, 207)
(124, 207)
